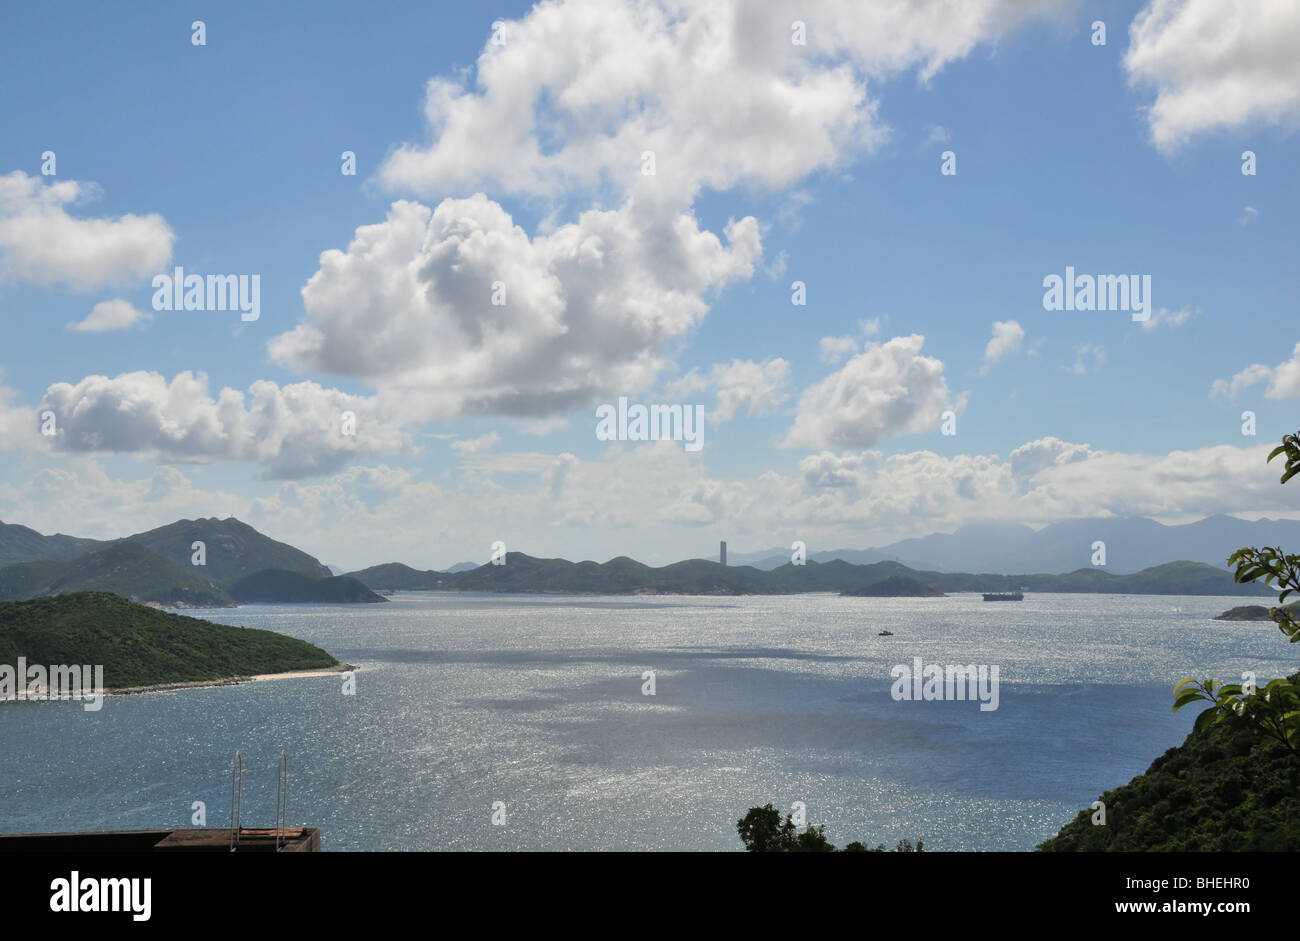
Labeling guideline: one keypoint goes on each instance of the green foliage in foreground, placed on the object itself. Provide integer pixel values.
(1225, 789)
(141, 646)
(1234, 784)
(1274, 710)
(762, 831)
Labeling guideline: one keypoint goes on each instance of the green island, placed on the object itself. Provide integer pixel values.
(142, 646)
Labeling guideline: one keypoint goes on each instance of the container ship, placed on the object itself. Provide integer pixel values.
(1004, 596)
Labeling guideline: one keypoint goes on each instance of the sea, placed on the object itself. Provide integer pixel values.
(548, 722)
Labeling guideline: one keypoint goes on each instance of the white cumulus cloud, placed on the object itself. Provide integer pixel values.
(42, 244)
(1216, 65)
(589, 311)
(291, 431)
(888, 389)
(579, 90)
(757, 387)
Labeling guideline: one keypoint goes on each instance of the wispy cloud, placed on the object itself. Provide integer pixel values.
(476, 445)
(1090, 358)
(111, 315)
(1164, 317)
(1006, 339)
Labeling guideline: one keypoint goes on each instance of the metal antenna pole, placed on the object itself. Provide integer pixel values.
(281, 799)
(236, 798)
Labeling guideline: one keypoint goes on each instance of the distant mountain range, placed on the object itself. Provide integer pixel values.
(233, 549)
(243, 565)
(524, 573)
(1132, 544)
(240, 565)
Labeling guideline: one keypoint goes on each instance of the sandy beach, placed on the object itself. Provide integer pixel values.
(228, 681)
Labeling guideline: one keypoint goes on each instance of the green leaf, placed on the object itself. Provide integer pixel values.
(1190, 696)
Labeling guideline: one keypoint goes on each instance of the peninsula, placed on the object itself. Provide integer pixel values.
(139, 646)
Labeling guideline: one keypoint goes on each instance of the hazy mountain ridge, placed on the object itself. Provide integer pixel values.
(1132, 544)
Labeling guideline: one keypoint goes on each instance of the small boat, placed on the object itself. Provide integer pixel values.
(1004, 596)
(885, 634)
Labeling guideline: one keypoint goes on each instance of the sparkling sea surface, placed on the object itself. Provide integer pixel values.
(464, 700)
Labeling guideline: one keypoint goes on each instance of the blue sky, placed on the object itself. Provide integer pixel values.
(1115, 159)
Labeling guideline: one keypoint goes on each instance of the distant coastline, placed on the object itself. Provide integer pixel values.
(1251, 612)
(624, 576)
(212, 563)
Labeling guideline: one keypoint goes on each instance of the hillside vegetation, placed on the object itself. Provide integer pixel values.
(136, 571)
(896, 586)
(1224, 789)
(394, 576)
(125, 568)
(295, 588)
(233, 549)
(139, 646)
(24, 544)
